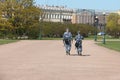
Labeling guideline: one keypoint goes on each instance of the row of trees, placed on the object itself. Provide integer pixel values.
(50, 29)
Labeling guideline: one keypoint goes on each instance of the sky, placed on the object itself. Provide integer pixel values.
(83, 4)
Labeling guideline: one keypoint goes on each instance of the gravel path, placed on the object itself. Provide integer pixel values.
(46, 60)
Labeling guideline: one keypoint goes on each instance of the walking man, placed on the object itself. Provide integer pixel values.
(67, 38)
(78, 43)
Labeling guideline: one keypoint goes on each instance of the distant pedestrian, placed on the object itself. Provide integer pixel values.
(67, 39)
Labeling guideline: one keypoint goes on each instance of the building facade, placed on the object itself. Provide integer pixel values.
(83, 16)
(102, 17)
(56, 14)
(78, 16)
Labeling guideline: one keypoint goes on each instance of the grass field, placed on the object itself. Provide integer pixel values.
(51, 39)
(115, 45)
(7, 41)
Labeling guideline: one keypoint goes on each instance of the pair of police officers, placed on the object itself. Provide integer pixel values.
(67, 40)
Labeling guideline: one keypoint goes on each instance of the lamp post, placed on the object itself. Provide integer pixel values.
(41, 19)
(104, 28)
(119, 24)
(40, 28)
(96, 21)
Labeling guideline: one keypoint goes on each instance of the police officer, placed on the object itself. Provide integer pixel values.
(78, 43)
(67, 38)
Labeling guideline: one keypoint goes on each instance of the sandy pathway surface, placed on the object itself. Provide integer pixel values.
(47, 60)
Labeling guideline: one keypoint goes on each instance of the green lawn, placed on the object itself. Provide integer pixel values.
(51, 38)
(7, 41)
(115, 45)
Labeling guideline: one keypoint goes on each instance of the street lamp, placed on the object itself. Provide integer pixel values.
(104, 27)
(40, 33)
(96, 21)
(41, 19)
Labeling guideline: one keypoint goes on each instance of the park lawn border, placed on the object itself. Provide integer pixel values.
(114, 45)
(4, 41)
(51, 39)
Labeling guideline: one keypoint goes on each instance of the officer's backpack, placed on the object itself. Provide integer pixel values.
(78, 41)
(67, 38)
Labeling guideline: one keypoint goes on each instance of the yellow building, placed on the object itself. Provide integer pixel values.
(74, 18)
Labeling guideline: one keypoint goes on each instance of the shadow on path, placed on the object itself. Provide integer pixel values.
(80, 55)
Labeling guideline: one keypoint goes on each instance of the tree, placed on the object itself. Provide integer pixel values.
(25, 19)
(5, 26)
(21, 14)
(113, 28)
